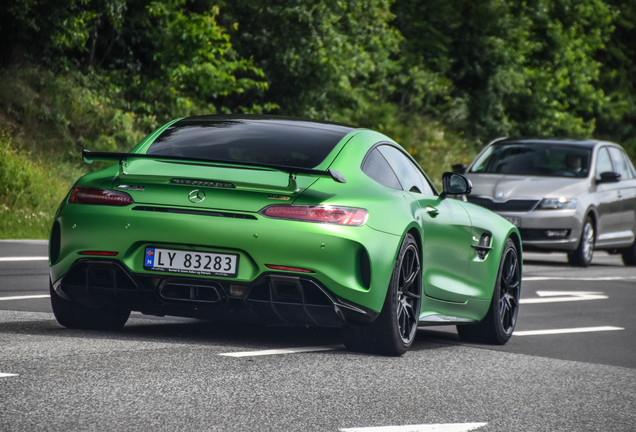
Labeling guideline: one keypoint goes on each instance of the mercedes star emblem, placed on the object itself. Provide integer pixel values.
(196, 196)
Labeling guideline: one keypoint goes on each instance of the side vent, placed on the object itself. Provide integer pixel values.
(483, 247)
(365, 267)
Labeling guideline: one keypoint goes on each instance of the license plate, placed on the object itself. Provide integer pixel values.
(190, 262)
(514, 220)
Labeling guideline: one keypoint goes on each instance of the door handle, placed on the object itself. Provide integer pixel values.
(432, 211)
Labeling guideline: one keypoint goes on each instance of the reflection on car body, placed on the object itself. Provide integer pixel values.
(564, 195)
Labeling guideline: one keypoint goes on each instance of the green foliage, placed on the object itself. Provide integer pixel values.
(29, 193)
(187, 63)
(517, 68)
(60, 114)
(440, 76)
(618, 118)
(320, 57)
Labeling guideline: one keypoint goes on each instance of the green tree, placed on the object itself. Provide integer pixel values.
(327, 59)
(517, 68)
(618, 117)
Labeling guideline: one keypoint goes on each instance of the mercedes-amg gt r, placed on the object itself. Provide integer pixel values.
(282, 221)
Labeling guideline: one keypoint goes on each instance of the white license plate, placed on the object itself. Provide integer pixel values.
(514, 220)
(190, 262)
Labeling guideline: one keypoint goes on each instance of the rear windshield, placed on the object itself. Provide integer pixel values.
(284, 142)
(534, 159)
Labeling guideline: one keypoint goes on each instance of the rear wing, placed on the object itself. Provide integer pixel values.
(91, 156)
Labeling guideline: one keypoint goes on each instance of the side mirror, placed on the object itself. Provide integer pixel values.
(609, 177)
(455, 184)
(460, 168)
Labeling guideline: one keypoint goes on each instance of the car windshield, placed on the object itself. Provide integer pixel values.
(534, 159)
(250, 141)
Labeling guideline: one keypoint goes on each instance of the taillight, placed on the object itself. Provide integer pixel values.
(99, 253)
(288, 268)
(81, 195)
(323, 213)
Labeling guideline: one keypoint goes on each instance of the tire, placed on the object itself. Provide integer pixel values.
(393, 332)
(629, 255)
(74, 315)
(499, 323)
(582, 256)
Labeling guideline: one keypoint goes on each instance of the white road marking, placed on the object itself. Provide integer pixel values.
(17, 259)
(283, 351)
(25, 241)
(25, 297)
(440, 427)
(564, 296)
(582, 279)
(566, 331)
(5, 375)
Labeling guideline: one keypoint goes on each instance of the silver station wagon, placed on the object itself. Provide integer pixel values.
(574, 196)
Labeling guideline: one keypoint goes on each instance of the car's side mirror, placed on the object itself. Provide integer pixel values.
(609, 177)
(455, 184)
(460, 168)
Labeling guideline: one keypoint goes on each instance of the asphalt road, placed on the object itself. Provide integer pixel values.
(571, 366)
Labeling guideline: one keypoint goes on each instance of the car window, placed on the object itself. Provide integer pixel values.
(620, 163)
(261, 141)
(376, 167)
(407, 172)
(518, 158)
(603, 164)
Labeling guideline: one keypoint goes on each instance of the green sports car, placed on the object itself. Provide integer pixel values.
(282, 221)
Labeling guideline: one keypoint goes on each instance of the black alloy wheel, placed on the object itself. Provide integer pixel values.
(393, 332)
(499, 323)
(408, 293)
(74, 315)
(509, 291)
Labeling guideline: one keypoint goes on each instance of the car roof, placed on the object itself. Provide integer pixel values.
(249, 121)
(589, 143)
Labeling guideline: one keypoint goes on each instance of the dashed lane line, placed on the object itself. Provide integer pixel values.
(566, 331)
(577, 279)
(439, 427)
(26, 297)
(283, 351)
(23, 258)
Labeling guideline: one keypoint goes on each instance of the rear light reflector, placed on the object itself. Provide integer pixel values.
(81, 195)
(99, 253)
(287, 268)
(324, 213)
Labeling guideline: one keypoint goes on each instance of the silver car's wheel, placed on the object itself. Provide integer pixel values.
(584, 253)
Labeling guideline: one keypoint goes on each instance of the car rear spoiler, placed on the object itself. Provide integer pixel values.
(91, 156)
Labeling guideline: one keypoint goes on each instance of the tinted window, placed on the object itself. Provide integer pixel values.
(621, 165)
(603, 164)
(376, 167)
(409, 175)
(534, 159)
(262, 141)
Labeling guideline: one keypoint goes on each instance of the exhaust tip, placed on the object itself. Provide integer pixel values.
(204, 292)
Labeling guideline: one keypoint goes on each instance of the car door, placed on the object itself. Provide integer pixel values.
(616, 200)
(446, 230)
(625, 205)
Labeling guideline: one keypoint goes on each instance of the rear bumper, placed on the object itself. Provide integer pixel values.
(272, 298)
(352, 263)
